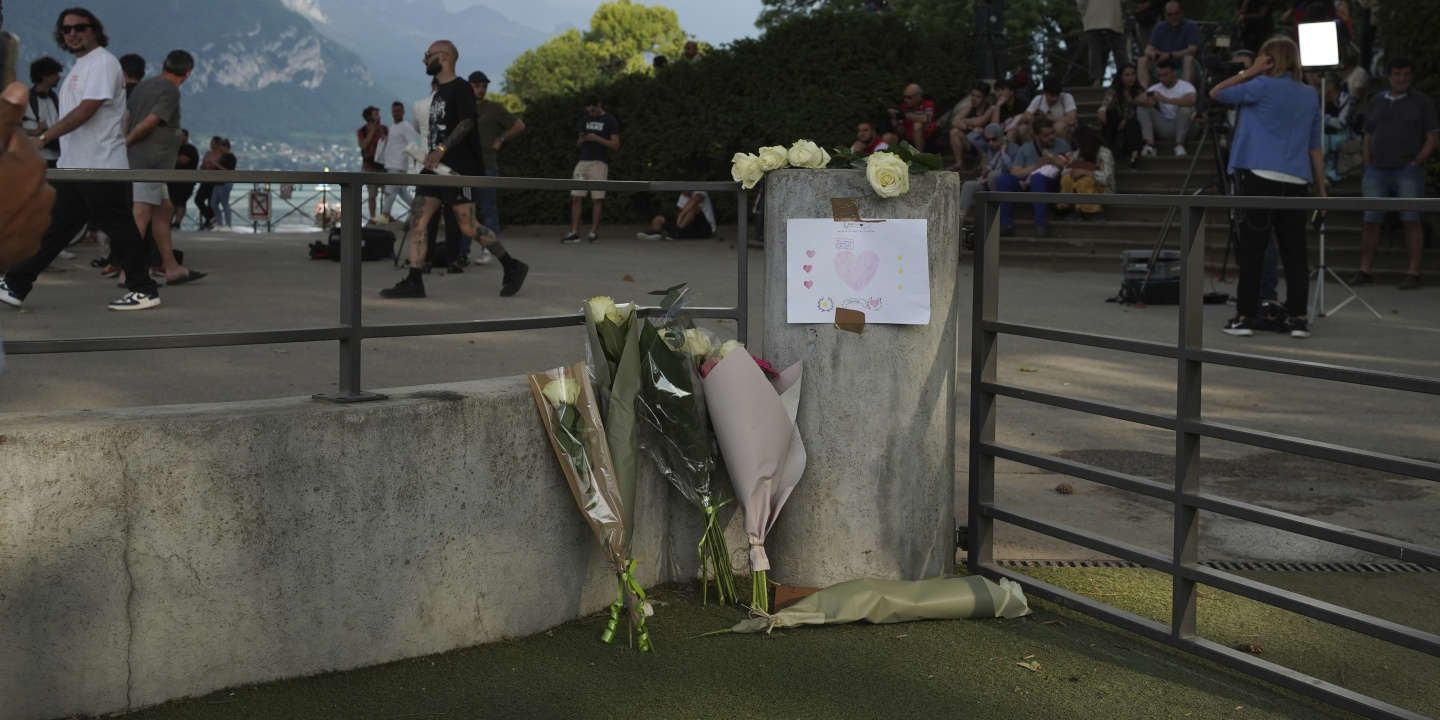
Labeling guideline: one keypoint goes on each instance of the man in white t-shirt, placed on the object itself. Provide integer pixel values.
(392, 154)
(92, 111)
(1173, 106)
(1057, 105)
(694, 220)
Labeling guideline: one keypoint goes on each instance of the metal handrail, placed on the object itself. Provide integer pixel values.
(352, 331)
(1188, 427)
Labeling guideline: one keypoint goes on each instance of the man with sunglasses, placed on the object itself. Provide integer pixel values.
(453, 141)
(92, 112)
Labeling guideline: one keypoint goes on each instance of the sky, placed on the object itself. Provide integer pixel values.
(713, 21)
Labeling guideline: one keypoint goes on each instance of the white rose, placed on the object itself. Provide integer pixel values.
(600, 307)
(697, 343)
(806, 154)
(746, 169)
(888, 174)
(619, 314)
(561, 391)
(730, 346)
(773, 157)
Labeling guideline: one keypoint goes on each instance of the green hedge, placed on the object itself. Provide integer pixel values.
(815, 77)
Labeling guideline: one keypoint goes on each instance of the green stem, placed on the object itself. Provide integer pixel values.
(715, 557)
(760, 590)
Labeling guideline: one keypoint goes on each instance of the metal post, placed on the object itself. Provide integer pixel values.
(984, 348)
(351, 306)
(742, 260)
(1187, 412)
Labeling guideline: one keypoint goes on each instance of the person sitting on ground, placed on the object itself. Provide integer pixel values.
(1037, 168)
(1118, 121)
(914, 118)
(1057, 105)
(995, 160)
(866, 139)
(694, 220)
(967, 124)
(1091, 171)
(1177, 40)
(1169, 114)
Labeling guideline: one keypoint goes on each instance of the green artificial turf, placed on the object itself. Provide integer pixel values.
(961, 669)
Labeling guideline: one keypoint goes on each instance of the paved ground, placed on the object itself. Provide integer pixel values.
(267, 282)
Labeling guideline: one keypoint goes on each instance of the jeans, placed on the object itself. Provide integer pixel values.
(1287, 227)
(1038, 184)
(489, 200)
(1154, 126)
(104, 205)
(220, 201)
(1403, 182)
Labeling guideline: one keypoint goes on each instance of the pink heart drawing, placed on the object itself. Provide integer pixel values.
(808, 268)
(810, 253)
(856, 270)
(809, 284)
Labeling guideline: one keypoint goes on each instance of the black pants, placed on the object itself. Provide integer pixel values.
(454, 247)
(103, 205)
(202, 202)
(1288, 229)
(1122, 140)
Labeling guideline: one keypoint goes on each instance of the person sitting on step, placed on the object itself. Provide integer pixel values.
(1091, 171)
(1172, 108)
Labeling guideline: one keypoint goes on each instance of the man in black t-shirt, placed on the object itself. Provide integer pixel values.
(599, 136)
(454, 142)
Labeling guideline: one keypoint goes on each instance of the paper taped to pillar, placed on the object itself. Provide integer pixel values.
(879, 268)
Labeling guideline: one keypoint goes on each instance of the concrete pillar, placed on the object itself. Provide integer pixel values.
(878, 409)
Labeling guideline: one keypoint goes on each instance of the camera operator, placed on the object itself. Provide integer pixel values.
(1275, 153)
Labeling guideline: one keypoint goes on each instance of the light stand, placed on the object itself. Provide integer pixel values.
(1320, 50)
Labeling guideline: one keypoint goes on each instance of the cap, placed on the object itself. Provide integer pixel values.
(993, 130)
(479, 77)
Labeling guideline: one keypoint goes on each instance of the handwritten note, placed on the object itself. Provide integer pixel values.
(879, 268)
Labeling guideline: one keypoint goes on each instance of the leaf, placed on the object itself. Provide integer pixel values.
(1032, 666)
(929, 162)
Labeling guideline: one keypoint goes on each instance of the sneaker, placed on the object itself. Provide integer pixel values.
(570, 239)
(406, 288)
(136, 301)
(1239, 327)
(1180, 151)
(1299, 327)
(592, 237)
(484, 257)
(66, 255)
(1149, 151)
(1361, 278)
(8, 296)
(515, 272)
(1411, 282)
(652, 236)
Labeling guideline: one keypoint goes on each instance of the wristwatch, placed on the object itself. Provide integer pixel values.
(441, 148)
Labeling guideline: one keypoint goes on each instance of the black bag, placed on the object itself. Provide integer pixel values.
(375, 244)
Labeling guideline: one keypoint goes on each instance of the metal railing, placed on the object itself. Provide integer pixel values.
(1189, 427)
(352, 331)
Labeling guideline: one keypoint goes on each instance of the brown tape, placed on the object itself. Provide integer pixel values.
(850, 320)
(845, 209)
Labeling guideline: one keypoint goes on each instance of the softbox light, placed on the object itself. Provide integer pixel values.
(1319, 44)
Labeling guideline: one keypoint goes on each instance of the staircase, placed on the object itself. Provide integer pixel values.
(1079, 245)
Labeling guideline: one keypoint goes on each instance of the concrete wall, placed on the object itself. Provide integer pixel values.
(159, 553)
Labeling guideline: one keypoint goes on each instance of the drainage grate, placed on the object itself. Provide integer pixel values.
(1233, 565)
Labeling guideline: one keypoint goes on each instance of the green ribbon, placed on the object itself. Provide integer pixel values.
(626, 583)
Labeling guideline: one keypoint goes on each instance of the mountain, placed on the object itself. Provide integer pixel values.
(264, 73)
(391, 35)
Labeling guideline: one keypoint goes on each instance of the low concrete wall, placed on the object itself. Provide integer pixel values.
(165, 552)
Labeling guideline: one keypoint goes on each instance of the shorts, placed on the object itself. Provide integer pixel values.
(590, 170)
(151, 193)
(1401, 182)
(447, 195)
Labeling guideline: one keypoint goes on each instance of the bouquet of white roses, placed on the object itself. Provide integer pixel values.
(571, 418)
(613, 334)
(888, 172)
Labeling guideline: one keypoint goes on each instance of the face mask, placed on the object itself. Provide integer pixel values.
(433, 68)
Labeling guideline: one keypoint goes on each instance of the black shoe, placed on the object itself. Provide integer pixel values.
(570, 239)
(406, 288)
(1299, 327)
(1361, 278)
(1239, 327)
(1409, 282)
(514, 277)
(455, 268)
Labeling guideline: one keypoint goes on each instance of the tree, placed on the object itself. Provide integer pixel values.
(622, 38)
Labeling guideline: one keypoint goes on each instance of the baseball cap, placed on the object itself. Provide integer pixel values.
(993, 130)
(479, 77)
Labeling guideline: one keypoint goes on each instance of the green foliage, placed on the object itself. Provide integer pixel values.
(813, 78)
(621, 35)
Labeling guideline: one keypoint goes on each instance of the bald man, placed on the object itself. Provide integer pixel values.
(914, 119)
(1174, 39)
